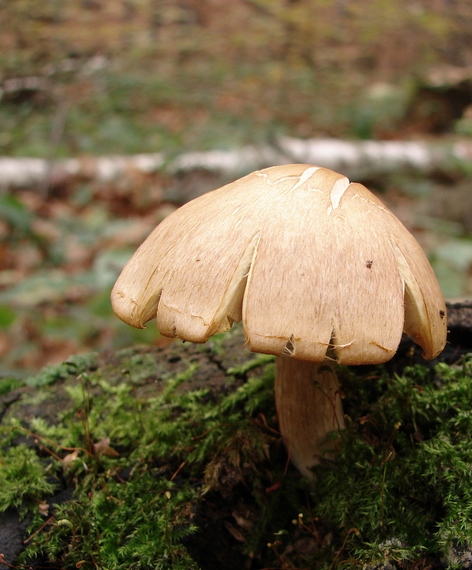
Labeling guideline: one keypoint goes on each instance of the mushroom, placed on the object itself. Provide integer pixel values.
(318, 270)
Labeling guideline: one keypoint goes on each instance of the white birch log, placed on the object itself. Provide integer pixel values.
(356, 159)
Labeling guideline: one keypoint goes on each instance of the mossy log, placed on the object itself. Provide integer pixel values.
(242, 494)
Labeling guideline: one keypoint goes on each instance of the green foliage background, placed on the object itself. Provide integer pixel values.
(139, 75)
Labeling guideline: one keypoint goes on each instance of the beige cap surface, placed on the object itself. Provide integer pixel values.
(307, 260)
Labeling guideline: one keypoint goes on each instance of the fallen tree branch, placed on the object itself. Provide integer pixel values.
(356, 159)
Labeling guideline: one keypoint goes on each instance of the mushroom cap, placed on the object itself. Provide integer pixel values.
(312, 264)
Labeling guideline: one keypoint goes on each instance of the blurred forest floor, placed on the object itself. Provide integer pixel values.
(96, 78)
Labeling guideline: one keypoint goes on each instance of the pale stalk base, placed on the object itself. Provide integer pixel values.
(309, 407)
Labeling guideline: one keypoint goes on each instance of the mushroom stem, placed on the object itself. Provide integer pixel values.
(309, 407)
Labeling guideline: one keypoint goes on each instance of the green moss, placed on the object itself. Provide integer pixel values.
(23, 477)
(8, 384)
(404, 467)
(52, 373)
(143, 466)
